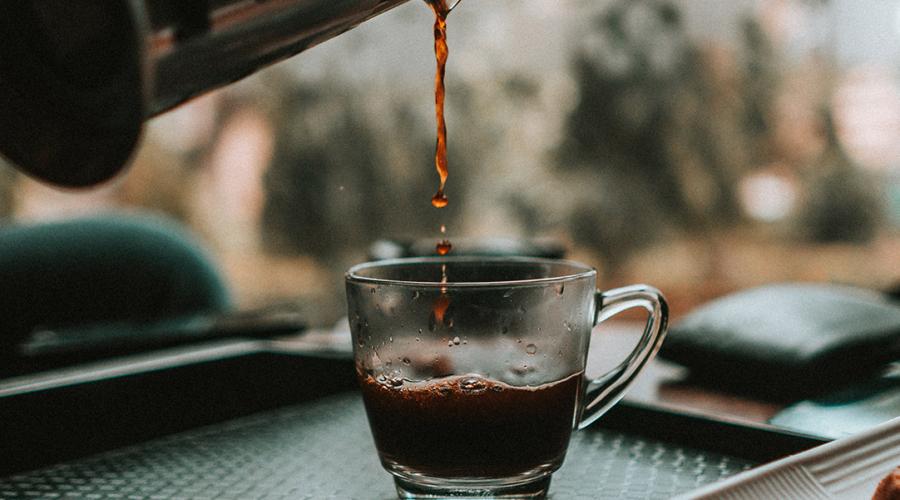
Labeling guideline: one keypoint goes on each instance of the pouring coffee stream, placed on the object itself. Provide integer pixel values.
(441, 9)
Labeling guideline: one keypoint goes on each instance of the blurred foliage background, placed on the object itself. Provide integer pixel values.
(699, 145)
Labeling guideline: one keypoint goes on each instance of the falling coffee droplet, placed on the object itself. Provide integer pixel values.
(439, 200)
(440, 308)
(443, 247)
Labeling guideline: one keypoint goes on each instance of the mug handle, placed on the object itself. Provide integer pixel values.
(602, 393)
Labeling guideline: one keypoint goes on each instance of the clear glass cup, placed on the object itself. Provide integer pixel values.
(472, 368)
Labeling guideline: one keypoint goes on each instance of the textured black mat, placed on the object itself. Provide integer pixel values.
(323, 449)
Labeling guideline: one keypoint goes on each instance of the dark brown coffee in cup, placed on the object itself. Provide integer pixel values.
(471, 426)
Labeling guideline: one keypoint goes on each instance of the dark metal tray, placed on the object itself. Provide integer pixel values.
(321, 448)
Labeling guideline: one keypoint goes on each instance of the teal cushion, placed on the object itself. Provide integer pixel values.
(102, 269)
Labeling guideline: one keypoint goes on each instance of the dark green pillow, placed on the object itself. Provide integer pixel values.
(109, 268)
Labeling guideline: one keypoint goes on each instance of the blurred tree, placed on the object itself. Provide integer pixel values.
(658, 130)
(346, 172)
(322, 150)
(844, 204)
(761, 80)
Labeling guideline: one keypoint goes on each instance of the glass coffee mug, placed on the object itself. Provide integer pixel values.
(472, 368)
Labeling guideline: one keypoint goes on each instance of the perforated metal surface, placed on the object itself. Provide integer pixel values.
(324, 449)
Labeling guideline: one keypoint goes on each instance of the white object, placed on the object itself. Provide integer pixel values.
(848, 468)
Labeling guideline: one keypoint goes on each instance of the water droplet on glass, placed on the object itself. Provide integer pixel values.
(391, 339)
(456, 340)
(361, 342)
(418, 339)
(518, 341)
(531, 348)
(522, 309)
(416, 295)
(449, 343)
(450, 323)
(560, 288)
(504, 330)
(465, 341)
(420, 331)
(568, 326)
(406, 361)
(372, 290)
(507, 294)
(473, 385)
